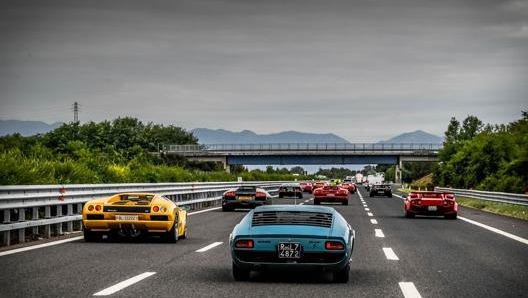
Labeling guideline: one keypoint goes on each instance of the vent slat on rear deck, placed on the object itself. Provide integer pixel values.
(292, 218)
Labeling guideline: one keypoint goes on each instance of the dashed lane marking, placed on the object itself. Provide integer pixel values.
(208, 247)
(123, 284)
(409, 290)
(379, 233)
(389, 254)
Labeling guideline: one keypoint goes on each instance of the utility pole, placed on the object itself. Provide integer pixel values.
(75, 112)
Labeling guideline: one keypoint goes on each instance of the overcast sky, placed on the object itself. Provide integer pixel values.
(366, 70)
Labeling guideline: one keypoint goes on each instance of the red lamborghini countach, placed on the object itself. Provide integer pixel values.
(431, 203)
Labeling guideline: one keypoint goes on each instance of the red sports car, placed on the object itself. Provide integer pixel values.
(431, 203)
(350, 186)
(306, 186)
(330, 193)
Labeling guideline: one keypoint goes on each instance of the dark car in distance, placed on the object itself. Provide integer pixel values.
(246, 196)
(291, 190)
(381, 190)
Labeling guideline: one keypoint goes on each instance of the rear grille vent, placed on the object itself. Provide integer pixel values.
(131, 209)
(316, 219)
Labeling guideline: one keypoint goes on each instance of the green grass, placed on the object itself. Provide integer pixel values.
(516, 211)
(511, 210)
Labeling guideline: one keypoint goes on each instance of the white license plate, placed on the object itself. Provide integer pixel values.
(330, 195)
(289, 250)
(127, 217)
(245, 198)
(431, 208)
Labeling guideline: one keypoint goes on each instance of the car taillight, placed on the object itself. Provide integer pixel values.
(90, 208)
(334, 245)
(260, 194)
(98, 207)
(229, 194)
(245, 243)
(416, 202)
(343, 191)
(449, 203)
(155, 208)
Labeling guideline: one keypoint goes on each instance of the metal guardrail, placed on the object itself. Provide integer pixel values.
(42, 211)
(502, 197)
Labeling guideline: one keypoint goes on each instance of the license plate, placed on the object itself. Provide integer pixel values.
(127, 217)
(330, 195)
(245, 198)
(290, 250)
(431, 208)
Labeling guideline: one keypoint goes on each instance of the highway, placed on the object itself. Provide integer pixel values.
(428, 257)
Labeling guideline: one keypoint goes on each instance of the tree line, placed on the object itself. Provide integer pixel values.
(125, 150)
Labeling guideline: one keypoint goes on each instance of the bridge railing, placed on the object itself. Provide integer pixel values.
(303, 147)
(501, 197)
(42, 211)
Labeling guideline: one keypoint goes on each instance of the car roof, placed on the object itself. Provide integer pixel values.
(304, 208)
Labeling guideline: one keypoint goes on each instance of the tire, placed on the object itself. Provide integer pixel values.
(184, 236)
(224, 208)
(240, 274)
(317, 203)
(371, 195)
(343, 275)
(409, 214)
(90, 236)
(172, 235)
(300, 196)
(345, 202)
(390, 195)
(451, 216)
(280, 196)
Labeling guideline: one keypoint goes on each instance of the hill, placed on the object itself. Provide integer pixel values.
(26, 128)
(221, 136)
(415, 137)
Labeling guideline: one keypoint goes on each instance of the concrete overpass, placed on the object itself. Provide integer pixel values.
(309, 154)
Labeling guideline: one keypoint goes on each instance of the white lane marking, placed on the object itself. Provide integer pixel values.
(489, 228)
(370, 214)
(367, 209)
(500, 232)
(409, 290)
(374, 222)
(123, 284)
(379, 233)
(208, 247)
(389, 254)
(365, 205)
(8, 252)
(202, 211)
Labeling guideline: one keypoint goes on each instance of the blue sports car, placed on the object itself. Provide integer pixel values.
(292, 237)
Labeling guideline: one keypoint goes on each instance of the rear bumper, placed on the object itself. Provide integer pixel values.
(244, 204)
(331, 199)
(109, 225)
(440, 210)
(265, 264)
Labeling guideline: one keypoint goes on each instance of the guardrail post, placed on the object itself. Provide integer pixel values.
(69, 224)
(59, 225)
(35, 216)
(21, 232)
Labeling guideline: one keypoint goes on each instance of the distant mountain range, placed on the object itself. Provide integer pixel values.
(221, 136)
(26, 128)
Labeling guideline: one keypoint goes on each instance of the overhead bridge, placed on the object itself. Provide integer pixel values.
(309, 154)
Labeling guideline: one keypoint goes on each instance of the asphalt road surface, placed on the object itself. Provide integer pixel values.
(428, 257)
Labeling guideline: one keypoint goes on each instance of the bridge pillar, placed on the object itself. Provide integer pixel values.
(398, 172)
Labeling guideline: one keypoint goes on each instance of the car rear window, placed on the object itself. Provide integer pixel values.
(318, 219)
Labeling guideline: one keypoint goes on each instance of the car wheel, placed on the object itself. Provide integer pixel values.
(342, 275)
(300, 196)
(371, 195)
(185, 233)
(409, 214)
(240, 274)
(345, 202)
(280, 196)
(390, 195)
(172, 235)
(90, 236)
(451, 216)
(317, 203)
(224, 208)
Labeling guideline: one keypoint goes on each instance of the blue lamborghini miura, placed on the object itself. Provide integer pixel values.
(292, 237)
